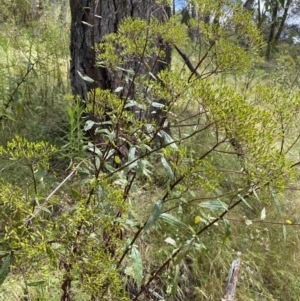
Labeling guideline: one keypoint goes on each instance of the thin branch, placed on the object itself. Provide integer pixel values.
(187, 62)
(263, 222)
(29, 220)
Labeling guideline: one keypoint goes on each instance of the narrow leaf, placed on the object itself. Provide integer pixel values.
(36, 283)
(45, 209)
(86, 23)
(118, 89)
(137, 265)
(227, 231)
(5, 268)
(168, 139)
(175, 280)
(76, 194)
(156, 212)
(244, 201)
(284, 232)
(167, 168)
(255, 194)
(86, 78)
(183, 253)
(263, 214)
(173, 221)
(214, 205)
(131, 153)
(152, 75)
(276, 201)
(16, 96)
(157, 105)
(88, 125)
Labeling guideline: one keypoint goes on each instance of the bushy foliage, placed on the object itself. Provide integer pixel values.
(148, 207)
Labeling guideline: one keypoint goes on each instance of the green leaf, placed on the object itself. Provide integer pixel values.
(97, 163)
(276, 201)
(83, 170)
(131, 153)
(227, 231)
(137, 265)
(154, 216)
(5, 268)
(175, 280)
(255, 194)
(284, 232)
(129, 271)
(109, 167)
(244, 201)
(167, 168)
(88, 125)
(86, 78)
(45, 209)
(173, 221)
(76, 194)
(185, 250)
(16, 96)
(168, 139)
(117, 159)
(36, 283)
(214, 205)
(131, 223)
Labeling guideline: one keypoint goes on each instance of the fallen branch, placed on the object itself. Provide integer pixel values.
(232, 280)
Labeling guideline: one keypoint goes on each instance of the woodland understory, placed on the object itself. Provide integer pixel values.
(145, 146)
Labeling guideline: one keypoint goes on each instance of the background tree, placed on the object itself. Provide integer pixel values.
(91, 22)
(276, 23)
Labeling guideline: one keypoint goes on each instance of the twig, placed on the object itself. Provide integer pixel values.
(51, 194)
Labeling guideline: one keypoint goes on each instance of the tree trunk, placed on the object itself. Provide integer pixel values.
(174, 7)
(249, 5)
(259, 14)
(282, 22)
(272, 29)
(91, 21)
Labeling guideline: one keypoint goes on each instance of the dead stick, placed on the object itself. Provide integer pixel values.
(232, 280)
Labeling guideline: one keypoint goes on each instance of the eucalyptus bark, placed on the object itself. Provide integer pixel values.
(91, 21)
